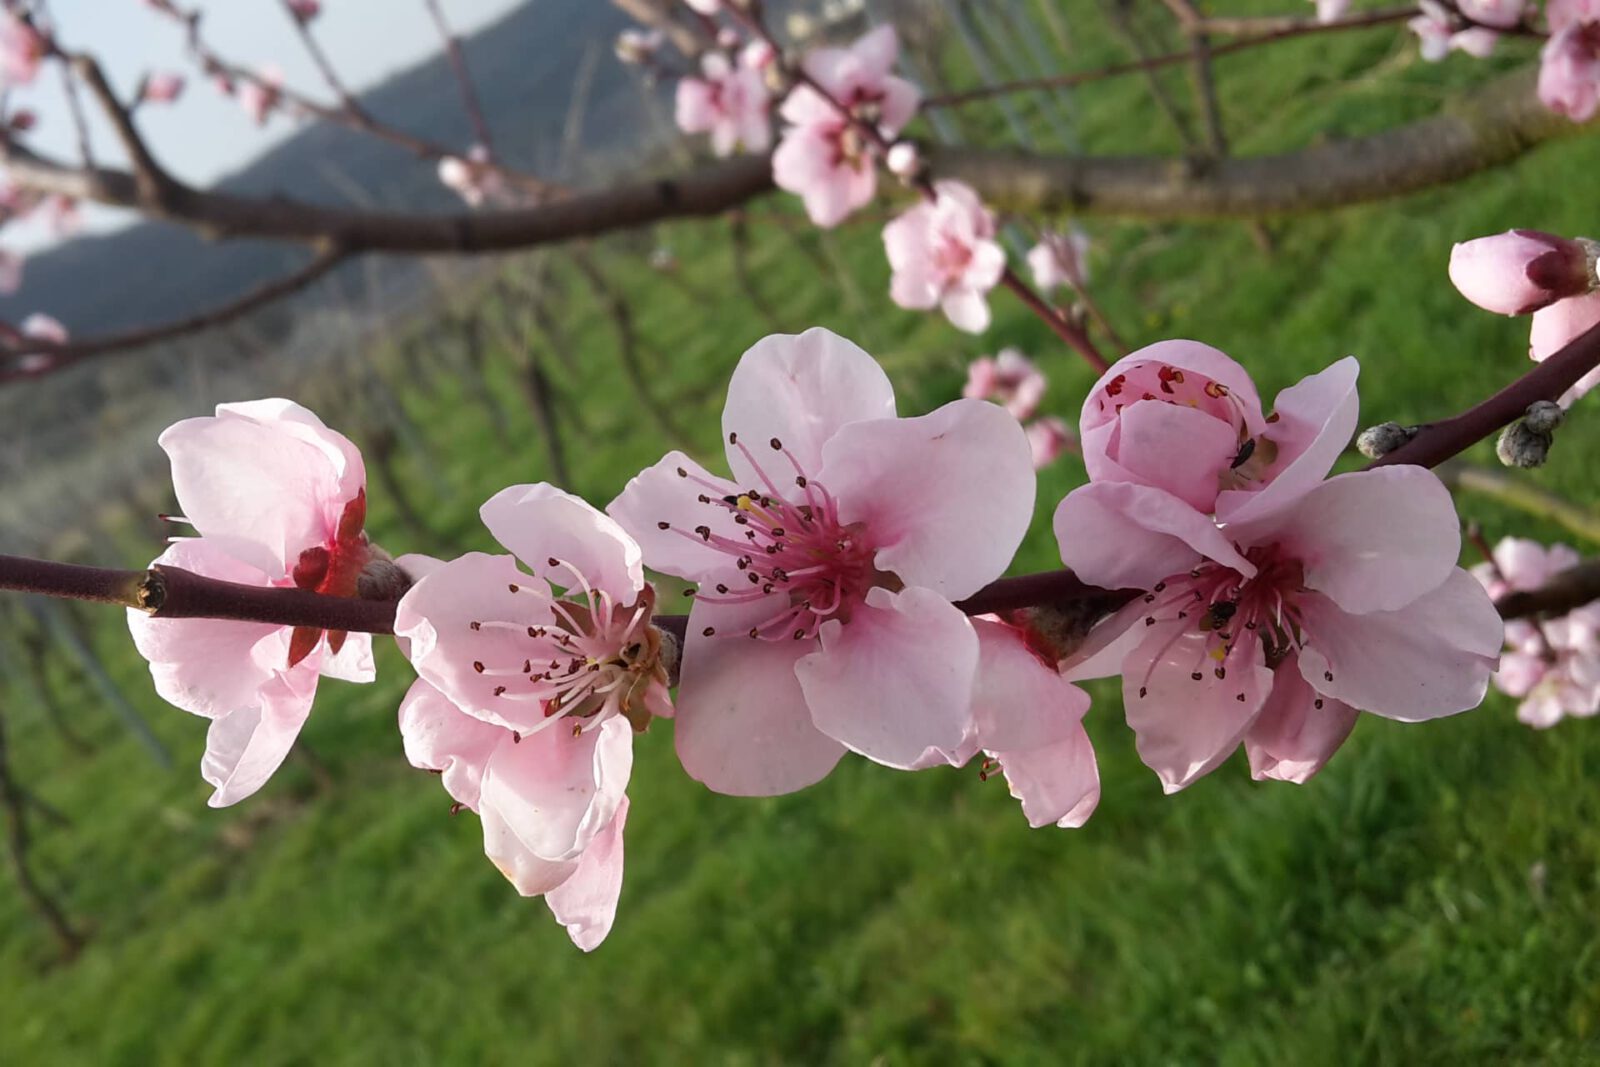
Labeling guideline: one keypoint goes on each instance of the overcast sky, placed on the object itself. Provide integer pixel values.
(205, 134)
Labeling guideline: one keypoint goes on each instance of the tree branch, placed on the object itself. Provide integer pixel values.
(1572, 588)
(54, 356)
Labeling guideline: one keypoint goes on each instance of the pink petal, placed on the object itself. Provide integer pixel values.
(967, 309)
(1058, 783)
(530, 874)
(898, 106)
(1430, 658)
(876, 50)
(946, 497)
(1371, 540)
(245, 747)
(1316, 418)
(1560, 324)
(799, 389)
(557, 791)
(1185, 726)
(441, 737)
(897, 679)
(1110, 642)
(436, 617)
(694, 111)
(1179, 449)
(264, 480)
(659, 495)
(209, 666)
(540, 522)
(742, 725)
(353, 662)
(586, 903)
(1123, 536)
(1297, 731)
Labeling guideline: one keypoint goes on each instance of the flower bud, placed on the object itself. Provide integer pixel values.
(904, 161)
(1521, 271)
(1544, 416)
(1526, 442)
(1378, 441)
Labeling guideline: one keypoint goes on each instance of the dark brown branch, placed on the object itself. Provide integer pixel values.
(172, 593)
(1438, 441)
(458, 65)
(1264, 31)
(58, 355)
(1572, 588)
(1491, 126)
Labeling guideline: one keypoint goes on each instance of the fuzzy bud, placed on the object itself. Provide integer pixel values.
(382, 578)
(1378, 441)
(1544, 416)
(1526, 442)
(1521, 271)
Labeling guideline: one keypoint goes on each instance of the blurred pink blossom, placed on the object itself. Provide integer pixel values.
(730, 101)
(261, 96)
(1060, 259)
(44, 328)
(1331, 10)
(1556, 326)
(827, 567)
(1439, 31)
(944, 254)
(823, 157)
(163, 87)
(1049, 438)
(474, 179)
(22, 49)
(1010, 378)
(11, 264)
(278, 500)
(304, 10)
(1569, 63)
(1552, 667)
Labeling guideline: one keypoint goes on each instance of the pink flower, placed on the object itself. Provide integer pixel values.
(305, 10)
(705, 7)
(22, 49)
(163, 87)
(1558, 325)
(61, 213)
(1569, 63)
(474, 179)
(828, 566)
(1048, 439)
(1437, 29)
(10, 271)
(528, 702)
(903, 160)
(261, 96)
(944, 254)
(1553, 667)
(730, 102)
(278, 500)
(823, 157)
(1521, 271)
(44, 328)
(1274, 631)
(1060, 259)
(1010, 378)
(1182, 417)
(1331, 10)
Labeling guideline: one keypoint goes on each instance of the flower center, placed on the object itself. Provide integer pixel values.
(1232, 610)
(595, 660)
(793, 546)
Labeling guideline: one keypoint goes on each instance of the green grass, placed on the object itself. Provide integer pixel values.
(1388, 911)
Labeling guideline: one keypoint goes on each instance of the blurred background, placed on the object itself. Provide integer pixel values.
(1429, 897)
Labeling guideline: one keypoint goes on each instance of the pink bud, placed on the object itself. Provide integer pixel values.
(163, 87)
(728, 38)
(23, 120)
(305, 10)
(1521, 271)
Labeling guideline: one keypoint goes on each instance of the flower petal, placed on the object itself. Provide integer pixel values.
(530, 874)
(1124, 536)
(1370, 540)
(1430, 658)
(1020, 702)
(556, 791)
(586, 903)
(441, 737)
(1316, 418)
(1298, 729)
(742, 725)
(1059, 783)
(946, 497)
(1187, 726)
(659, 494)
(799, 389)
(539, 523)
(1180, 449)
(245, 747)
(437, 614)
(897, 679)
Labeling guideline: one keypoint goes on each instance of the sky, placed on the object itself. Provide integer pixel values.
(206, 134)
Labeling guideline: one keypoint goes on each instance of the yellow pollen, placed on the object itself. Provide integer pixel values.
(1219, 653)
(744, 502)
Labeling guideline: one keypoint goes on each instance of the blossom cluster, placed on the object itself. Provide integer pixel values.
(1264, 603)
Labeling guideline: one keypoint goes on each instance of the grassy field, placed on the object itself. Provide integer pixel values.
(1430, 897)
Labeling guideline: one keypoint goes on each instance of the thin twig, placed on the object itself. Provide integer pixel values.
(458, 64)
